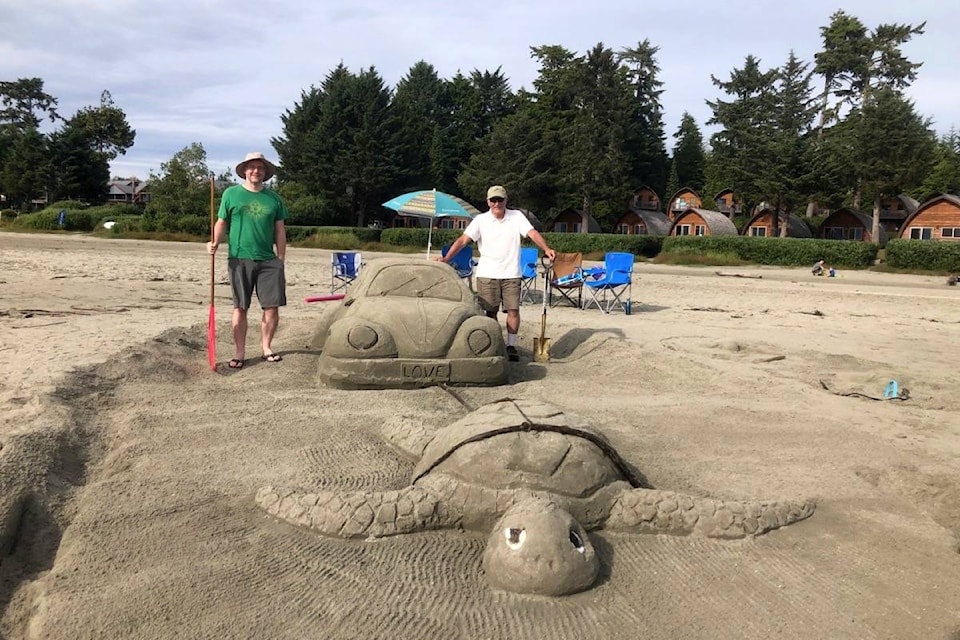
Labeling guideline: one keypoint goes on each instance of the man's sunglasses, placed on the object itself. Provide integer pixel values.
(495, 200)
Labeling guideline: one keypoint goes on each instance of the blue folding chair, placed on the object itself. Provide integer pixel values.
(463, 262)
(615, 280)
(344, 269)
(529, 256)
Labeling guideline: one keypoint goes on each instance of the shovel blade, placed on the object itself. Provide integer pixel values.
(541, 349)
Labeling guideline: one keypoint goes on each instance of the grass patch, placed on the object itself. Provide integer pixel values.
(882, 268)
(700, 259)
(350, 242)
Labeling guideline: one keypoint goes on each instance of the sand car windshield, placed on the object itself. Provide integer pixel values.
(404, 281)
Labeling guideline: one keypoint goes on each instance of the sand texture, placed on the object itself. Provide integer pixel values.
(128, 469)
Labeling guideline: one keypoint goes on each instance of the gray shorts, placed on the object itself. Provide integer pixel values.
(495, 293)
(266, 277)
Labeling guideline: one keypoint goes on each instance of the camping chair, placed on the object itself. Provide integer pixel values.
(567, 278)
(528, 272)
(344, 269)
(463, 262)
(615, 279)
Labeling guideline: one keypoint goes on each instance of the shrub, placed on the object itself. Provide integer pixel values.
(778, 251)
(925, 255)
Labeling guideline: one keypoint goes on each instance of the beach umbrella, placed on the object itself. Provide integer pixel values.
(431, 204)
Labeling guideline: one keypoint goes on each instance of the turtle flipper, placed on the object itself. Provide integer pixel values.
(355, 514)
(653, 511)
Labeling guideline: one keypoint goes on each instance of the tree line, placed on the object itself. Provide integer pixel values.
(803, 135)
(70, 163)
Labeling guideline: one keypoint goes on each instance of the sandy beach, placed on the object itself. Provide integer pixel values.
(128, 469)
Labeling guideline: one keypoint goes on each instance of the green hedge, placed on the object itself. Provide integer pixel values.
(923, 254)
(641, 245)
(778, 251)
(48, 219)
(298, 233)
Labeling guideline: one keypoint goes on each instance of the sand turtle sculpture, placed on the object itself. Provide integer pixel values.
(539, 479)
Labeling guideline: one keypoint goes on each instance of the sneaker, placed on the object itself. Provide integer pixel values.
(512, 354)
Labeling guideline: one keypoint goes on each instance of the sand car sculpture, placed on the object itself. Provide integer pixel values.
(535, 477)
(408, 322)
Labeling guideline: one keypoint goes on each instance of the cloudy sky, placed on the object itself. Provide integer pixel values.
(221, 73)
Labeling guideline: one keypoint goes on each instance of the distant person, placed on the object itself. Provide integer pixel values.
(497, 233)
(253, 216)
(818, 268)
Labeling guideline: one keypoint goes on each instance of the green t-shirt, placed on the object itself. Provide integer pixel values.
(251, 216)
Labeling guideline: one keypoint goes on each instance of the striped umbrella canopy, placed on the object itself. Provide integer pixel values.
(431, 204)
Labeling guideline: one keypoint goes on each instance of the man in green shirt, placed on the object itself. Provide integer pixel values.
(253, 217)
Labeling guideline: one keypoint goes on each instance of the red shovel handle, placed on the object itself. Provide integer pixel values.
(325, 298)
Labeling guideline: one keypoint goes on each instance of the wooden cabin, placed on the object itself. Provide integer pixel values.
(894, 210)
(936, 219)
(685, 198)
(645, 199)
(643, 222)
(137, 192)
(702, 222)
(727, 203)
(789, 225)
(850, 224)
(452, 222)
(574, 221)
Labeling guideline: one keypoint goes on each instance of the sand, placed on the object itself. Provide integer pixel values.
(128, 468)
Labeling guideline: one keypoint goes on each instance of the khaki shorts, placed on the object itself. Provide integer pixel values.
(495, 293)
(266, 277)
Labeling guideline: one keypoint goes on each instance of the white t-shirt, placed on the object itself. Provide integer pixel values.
(499, 243)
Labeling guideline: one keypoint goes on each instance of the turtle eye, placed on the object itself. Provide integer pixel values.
(576, 541)
(515, 537)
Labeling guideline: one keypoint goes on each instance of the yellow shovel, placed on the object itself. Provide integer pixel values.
(541, 345)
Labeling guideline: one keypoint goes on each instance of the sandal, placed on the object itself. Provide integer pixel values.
(272, 357)
(236, 363)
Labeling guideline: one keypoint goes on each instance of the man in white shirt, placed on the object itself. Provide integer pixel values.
(497, 233)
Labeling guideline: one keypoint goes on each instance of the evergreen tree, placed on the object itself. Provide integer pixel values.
(26, 170)
(105, 127)
(594, 163)
(944, 177)
(673, 183)
(22, 100)
(894, 148)
(645, 138)
(80, 172)
(298, 124)
(689, 159)
(742, 144)
(785, 175)
(422, 105)
(339, 143)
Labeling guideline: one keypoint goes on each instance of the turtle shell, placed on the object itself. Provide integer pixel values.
(524, 444)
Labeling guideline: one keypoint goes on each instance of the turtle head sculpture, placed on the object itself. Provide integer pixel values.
(537, 547)
(538, 480)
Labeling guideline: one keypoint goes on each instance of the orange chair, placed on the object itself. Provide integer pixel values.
(567, 278)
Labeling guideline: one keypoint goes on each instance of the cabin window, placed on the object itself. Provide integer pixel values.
(623, 228)
(833, 233)
(921, 233)
(855, 233)
(637, 229)
(576, 227)
(683, 230)
(950, 232)
(758, 232)
(700, 229)
(560, 227)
